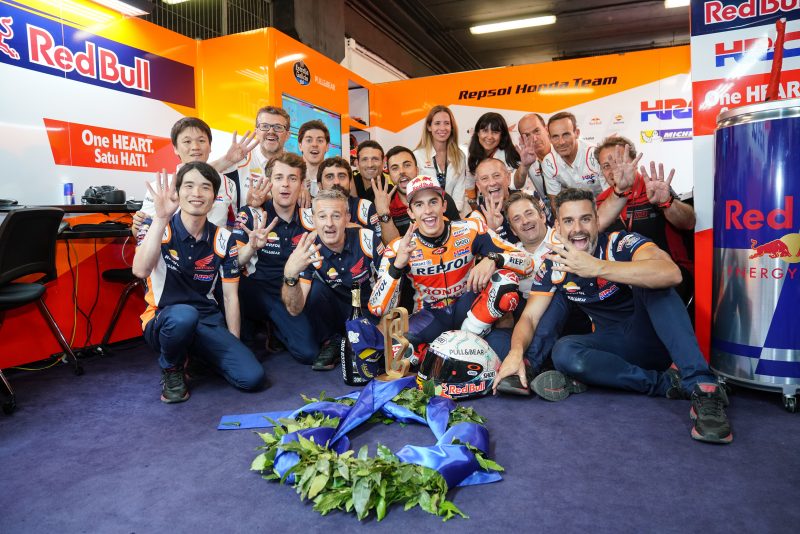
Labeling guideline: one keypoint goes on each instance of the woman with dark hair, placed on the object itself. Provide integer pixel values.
(439, 156)
(490, 139)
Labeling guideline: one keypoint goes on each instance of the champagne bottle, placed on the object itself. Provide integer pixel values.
(355, 296)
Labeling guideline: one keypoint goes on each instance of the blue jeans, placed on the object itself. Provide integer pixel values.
(633, 353)
(294, 332)
(180, 328)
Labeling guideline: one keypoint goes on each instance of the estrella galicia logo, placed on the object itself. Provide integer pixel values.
(301, 73)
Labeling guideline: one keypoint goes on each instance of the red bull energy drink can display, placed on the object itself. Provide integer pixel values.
(69, 193)
(755, 338)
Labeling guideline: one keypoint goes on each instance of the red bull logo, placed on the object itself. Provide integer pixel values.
(6, 34)
(737, 218)
(93, 61)
(774, 249)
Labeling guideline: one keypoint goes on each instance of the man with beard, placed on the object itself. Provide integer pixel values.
(392, 200)
(335, 172)
(328, 263)
(624, 282)
(264, 252)
(369, 161)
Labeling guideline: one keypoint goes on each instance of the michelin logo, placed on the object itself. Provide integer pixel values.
(657, 136)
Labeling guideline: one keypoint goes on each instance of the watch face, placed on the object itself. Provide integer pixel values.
(384, 218)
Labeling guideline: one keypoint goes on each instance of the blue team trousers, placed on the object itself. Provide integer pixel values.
(295, 332)
(633, 354)
(180, 328)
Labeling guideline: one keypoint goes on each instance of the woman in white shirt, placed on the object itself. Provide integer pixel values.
(439, 156)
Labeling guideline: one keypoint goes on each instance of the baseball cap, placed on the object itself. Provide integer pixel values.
(421, 183)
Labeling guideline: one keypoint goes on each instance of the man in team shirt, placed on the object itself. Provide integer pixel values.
(323, 269)
(624, 282)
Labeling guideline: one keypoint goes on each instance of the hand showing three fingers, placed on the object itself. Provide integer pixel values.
(572, 260)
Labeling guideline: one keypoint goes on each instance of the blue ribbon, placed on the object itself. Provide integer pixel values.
(456, 463)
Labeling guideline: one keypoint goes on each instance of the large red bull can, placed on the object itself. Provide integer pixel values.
(755, 339)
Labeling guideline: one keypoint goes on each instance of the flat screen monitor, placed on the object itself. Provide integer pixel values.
(301, 112)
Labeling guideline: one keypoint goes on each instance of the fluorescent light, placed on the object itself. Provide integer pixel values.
(173, 2)
(669, 4)
(513, 25)
(132, 8)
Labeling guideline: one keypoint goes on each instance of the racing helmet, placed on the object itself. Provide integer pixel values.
(461, 365)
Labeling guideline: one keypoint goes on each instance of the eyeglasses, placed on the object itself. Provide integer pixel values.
(265, 126)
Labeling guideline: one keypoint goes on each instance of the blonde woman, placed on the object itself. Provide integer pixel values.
(440, 157)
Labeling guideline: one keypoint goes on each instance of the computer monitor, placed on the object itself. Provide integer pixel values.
(301, 112)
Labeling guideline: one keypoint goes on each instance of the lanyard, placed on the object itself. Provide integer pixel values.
(440, 175)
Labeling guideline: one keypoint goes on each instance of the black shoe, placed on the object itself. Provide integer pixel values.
(329, 355)
(708, 413)
(173, 387)
(555, 386)
(675, 390)
(512, 385)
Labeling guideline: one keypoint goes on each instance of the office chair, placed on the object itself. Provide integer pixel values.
(28, 246)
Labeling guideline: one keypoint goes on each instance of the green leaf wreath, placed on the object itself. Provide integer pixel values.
(361, 483)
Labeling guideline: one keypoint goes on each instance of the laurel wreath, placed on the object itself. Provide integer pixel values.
(356, 482)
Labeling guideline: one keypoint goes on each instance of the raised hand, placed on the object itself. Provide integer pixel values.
(624, 168)
(258, 192)
(383, 194)
(303, 255)
(405, 247)
(257, 237)
(304, 200)
(572, 260)
(527, 154)
(240, 148)
(657, 188)
(165, 197)
(512, 364)
(493, 214)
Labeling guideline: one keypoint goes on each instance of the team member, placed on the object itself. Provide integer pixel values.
(336, 172)
(534, 146)
(313, 139)
(392, 199)
(264, 252)
(191, 141)
(624, 282)
(573, 164)
(328, 262)
(492, 179)
(248, 164)
(645, 203)
(440, 157)
(369, 156)
(439, 258)
(182, 255)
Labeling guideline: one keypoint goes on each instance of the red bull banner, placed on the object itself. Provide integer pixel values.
(756, 286)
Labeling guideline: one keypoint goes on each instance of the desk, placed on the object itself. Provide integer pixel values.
(26, 337)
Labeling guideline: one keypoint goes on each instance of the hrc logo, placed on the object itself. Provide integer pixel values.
(668, 109)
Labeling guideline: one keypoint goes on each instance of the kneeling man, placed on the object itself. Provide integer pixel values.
(624, 283)
(182, 255)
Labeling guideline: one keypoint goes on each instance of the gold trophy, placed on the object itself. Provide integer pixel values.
(394, 326)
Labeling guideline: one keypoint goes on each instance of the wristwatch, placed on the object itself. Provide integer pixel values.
(385, 218)
(289, 281)
(496, 258)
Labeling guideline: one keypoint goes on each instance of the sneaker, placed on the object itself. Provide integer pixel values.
(555, 386)
(708, 413)
(173, 387)
(329, 355)
(675, 390)
(513, 385)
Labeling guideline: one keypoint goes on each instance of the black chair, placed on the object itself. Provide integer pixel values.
(28, 246)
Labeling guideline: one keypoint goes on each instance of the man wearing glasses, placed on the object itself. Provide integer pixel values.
(272, 131)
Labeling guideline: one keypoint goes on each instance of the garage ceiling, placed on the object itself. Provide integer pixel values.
(435, 33)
